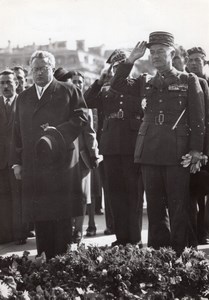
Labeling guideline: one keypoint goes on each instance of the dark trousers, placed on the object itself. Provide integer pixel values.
(167, 187)
(6, 209)
(199, 188)
(122, 182)
(12, 226)
(198, 222)
(53, 237)
(207, 215)
(91, 214)
(20, 228)
(109, 219)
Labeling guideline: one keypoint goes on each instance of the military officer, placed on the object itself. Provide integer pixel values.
(122, 118)
(173, 125)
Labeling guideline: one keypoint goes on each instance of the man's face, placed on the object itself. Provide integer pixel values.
(179, 61)
(42, 71)
(161, 56)
(196, 63)
(20, 74)
(78, 81)
(8, 85)
(114, 69)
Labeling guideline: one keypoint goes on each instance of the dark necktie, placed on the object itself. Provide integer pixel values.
(8, 106)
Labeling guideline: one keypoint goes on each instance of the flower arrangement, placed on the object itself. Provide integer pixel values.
(120, 272)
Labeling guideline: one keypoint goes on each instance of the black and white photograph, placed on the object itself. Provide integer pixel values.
(104, 146)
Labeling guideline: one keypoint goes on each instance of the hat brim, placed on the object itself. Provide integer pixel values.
(148, 45)
(51, 148)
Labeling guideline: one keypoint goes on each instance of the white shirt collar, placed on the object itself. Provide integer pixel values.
(11, 99)
(39, 89)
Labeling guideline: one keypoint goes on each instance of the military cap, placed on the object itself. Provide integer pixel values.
(196, 50)
(161, 37)
(117, 56)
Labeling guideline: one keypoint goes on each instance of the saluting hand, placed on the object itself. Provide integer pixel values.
(137, 52)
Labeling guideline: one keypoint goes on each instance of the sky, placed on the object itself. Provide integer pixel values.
(114, 23)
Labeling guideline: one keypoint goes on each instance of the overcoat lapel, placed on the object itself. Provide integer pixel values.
(46, 97)
(2, 107)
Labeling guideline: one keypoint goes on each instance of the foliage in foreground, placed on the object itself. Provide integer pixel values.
(107, 273)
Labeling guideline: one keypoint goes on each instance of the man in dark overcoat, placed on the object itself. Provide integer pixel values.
(8, 188)
(173, 125)
(49, 117)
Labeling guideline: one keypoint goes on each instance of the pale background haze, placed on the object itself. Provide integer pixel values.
(115, 23)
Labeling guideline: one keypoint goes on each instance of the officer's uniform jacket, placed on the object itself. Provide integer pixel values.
(122, 116)
(173, 122)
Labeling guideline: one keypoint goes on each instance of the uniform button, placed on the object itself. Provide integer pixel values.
(198, 125)
(160, 100)
(121, 102)
(161, 111)
(121, 96)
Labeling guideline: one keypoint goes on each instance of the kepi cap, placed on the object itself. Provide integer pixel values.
(161, 37)
(196, 50)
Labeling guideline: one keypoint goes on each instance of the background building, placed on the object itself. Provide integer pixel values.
(90, 61)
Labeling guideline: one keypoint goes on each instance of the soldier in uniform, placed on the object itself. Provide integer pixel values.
(173, 126)
(122, 118)
(200, 182)
(197, 62)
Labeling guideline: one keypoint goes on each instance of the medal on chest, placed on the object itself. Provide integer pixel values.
(182, 87)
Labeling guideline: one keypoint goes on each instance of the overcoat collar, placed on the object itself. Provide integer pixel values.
(47, 95)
